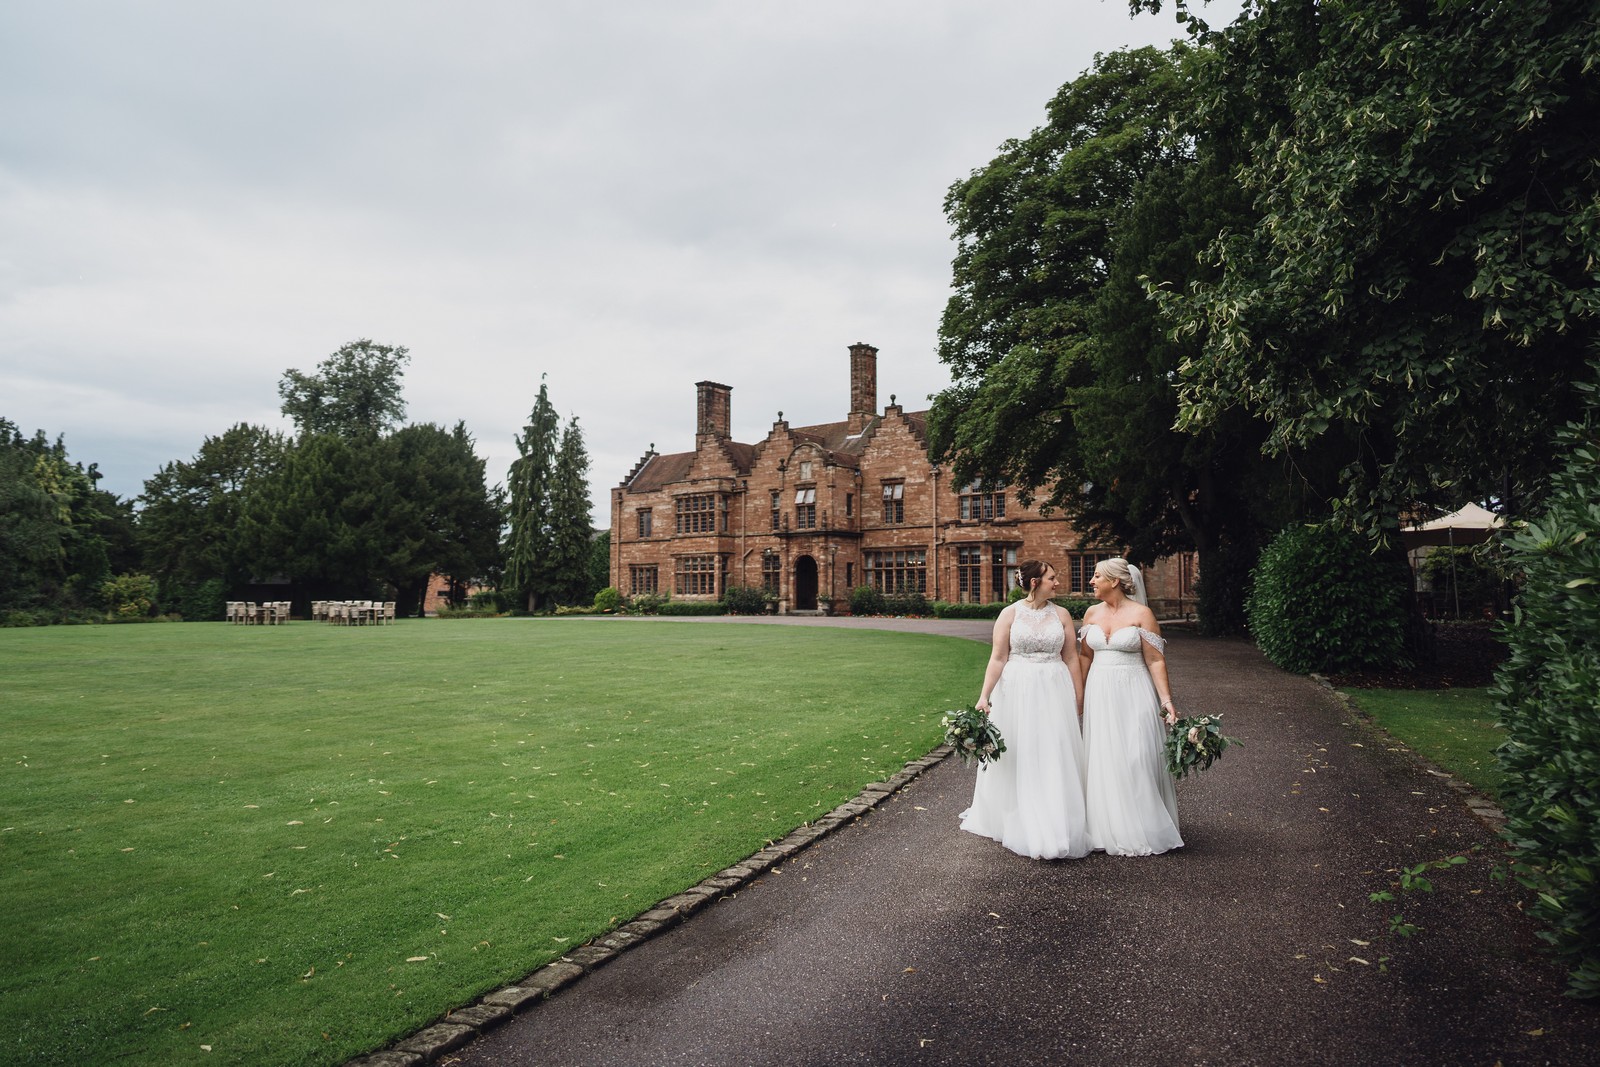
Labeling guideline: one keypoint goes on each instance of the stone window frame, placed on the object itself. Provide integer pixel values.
(771, 572)
(776, 497)
(896, 570)
(643, 578)
(695, 575)
(695, 513)
(981, 503)
(894, 503)
(805, 507)
(646, 522)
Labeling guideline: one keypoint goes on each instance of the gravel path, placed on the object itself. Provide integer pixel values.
(900, 940)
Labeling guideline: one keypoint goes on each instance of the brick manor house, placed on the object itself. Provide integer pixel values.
(811, 512)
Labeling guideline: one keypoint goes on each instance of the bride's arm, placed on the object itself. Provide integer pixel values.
(1070, 655)
(999, 652)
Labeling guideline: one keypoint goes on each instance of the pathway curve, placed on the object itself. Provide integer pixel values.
(900, 940)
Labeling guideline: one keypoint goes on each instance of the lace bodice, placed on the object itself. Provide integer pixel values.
(1036, 633)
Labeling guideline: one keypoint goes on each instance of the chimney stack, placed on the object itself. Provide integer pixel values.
(863, 385)
(712, 412)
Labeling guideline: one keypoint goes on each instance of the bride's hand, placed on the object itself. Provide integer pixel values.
(1170, 713)
(983, 706)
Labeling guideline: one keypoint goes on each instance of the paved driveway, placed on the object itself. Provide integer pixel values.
(900, 940)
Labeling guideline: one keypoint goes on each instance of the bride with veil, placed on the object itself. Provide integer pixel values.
(1130, 804)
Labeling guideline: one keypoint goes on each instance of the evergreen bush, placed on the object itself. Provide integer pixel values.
(205, 602)
(1322, 600)
(744, 600)
(1548, 696)
(906, 602)
(865, 600)
(692, 607)
(608, 599)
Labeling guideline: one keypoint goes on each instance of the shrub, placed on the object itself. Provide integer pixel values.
(608, 599)
(1548, 696)
(744, 600)
(865, 600)
(576, 609)
(128, 596)
(490, 601)
(467, 612)
(906, 602)
(648, 603)
(692, 607)
(203, 602)
(943, 609)
(1322, 600)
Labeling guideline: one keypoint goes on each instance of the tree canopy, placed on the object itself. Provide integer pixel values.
(1420, 286)
(356, 391)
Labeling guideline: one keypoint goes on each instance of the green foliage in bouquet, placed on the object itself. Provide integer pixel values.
(973, 735)
(1548, 696)
(1195, 743)
(1323, 601)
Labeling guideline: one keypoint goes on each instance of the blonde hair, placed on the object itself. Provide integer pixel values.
(1116, 568)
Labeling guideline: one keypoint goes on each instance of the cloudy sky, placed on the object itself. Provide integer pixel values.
(627, 197)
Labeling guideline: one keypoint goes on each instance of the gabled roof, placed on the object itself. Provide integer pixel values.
(659, 470)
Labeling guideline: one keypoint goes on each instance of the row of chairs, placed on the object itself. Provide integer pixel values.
(249, 613)
(353, 612)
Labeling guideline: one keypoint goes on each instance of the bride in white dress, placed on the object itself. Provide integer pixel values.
(1131, 804)
(1031, 799)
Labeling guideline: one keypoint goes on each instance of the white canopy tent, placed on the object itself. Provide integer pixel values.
(1471, 525)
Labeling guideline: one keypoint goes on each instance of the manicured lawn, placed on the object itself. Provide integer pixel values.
(293, 844)
(1454, 728)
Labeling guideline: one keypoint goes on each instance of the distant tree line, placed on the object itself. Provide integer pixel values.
(353, 505)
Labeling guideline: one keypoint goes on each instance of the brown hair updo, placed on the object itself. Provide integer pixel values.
(1030, 572)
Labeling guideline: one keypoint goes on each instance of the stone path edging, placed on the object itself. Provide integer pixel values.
(459, 1027)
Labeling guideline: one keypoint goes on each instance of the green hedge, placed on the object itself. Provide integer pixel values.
(692, 607)
(744, 600)
(1322, 600)
(943, 609)
(1548, 696)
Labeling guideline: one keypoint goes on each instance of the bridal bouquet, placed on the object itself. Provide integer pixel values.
(971, 733)
(1195, 744)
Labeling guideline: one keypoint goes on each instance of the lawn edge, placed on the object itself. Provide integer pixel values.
(460, 1026)
(1484, 808)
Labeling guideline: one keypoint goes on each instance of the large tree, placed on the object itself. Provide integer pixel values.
(443, 519)
(190, 511)
(1065, 377)
(355, 392)
(571, 527)
(58, 531)
(528, 576)
(1421, 285)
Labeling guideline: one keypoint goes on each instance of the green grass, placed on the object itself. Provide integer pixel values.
(294, 844)
(1453, 728)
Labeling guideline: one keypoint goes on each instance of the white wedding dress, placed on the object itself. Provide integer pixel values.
(1031, 798)
(1131, 803)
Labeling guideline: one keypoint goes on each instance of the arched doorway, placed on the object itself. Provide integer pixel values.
(805, 584)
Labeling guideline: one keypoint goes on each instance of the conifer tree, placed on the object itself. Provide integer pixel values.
(528, 546)
(570, 526)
